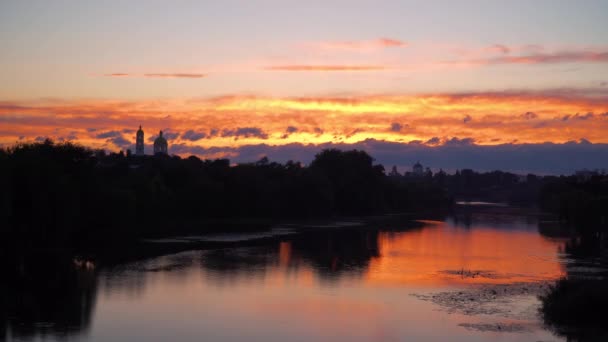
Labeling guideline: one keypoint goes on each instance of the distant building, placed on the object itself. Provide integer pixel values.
(160, 144)
(417, 169)
(394, 172)
(585, 175)
(139, 142)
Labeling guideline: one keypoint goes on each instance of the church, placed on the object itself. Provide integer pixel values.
(161, 146)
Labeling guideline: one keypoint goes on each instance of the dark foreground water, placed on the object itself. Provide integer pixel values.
(473, 279)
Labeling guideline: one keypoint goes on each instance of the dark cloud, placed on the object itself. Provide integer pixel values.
(459, 142)
(583, 116)
(545, 158)
(318, 131)
(529, 115)
(170, 135)
(167, 134)
(245, 132)
(193, 135)
(433, 141)
(291, 129)
(108, 134)
(396, 127)
(128, 131)
(467, 118)
(120, 142)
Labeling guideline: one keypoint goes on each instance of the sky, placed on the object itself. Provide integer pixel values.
(243, 79)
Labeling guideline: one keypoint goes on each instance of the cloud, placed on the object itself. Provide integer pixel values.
(396, 127)
(245, 132)
(109, 134)
(584, 116)
(120, 142)
(237, 120)
(545, 58)
(192, 135)
(169, 134)
(542, 158)
(499, 48)
(459, 142)
(291, 129)
(334, 67)
(356, 45)
(176, 75)
(158, 75)
(467, 118)
(433, 141)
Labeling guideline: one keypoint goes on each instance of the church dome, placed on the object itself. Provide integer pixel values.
(160, 144)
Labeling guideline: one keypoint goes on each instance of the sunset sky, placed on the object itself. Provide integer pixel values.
(518, 85)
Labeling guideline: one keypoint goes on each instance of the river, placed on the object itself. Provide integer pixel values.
(472, 277)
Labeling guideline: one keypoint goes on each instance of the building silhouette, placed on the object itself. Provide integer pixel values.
(160, 144)
(417, 169)
(139, 142)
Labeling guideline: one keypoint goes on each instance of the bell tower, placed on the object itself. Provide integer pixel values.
(139, 142)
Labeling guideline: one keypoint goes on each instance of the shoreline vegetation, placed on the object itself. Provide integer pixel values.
(64, 195)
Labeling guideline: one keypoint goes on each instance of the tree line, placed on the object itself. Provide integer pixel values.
(62, 193)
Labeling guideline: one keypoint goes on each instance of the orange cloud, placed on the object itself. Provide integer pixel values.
(487, 118)
(178, 75)
(158, 75)
(538, 57)
(563, 57)
(357, 45)
(304, 67)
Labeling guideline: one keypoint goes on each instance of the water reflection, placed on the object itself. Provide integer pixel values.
(337, 284)
(46, 295)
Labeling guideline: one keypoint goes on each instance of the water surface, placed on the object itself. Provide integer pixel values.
(466, 279)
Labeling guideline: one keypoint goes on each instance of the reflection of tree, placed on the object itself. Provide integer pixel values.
(332, 254)
(227, 266)
(339, 252)
(45, 295)
(577, 305)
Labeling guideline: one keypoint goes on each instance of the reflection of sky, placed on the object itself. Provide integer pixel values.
(284, 292)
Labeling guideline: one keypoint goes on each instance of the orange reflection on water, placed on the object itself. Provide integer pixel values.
(443, 254)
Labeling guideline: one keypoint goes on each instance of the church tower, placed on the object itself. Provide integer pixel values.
(139, 142)
(160, 145)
